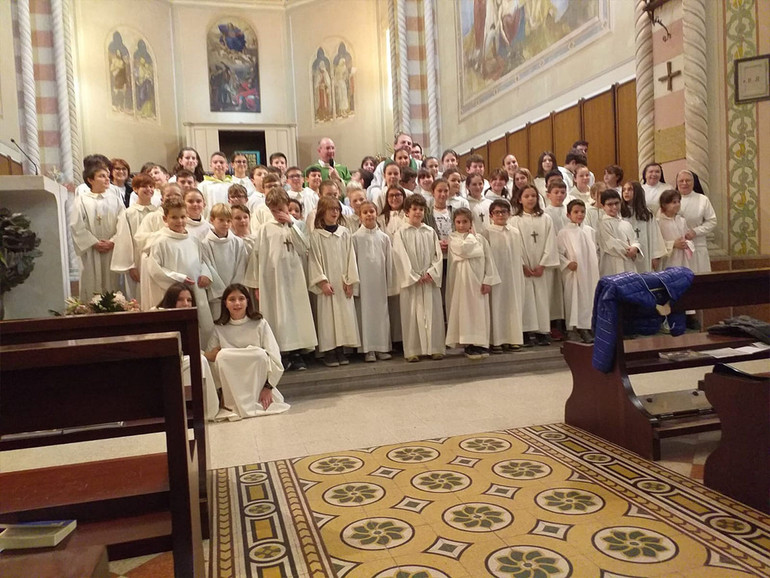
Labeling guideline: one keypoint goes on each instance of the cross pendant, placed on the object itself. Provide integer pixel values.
(534, 236)
(98, 218)
(637, 231)
(289, 244)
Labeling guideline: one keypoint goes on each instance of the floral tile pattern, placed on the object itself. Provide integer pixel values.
(536, 502)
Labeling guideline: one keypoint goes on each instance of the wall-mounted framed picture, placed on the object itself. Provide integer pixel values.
(752, 79)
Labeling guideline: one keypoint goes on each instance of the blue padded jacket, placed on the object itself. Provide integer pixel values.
(636, 289)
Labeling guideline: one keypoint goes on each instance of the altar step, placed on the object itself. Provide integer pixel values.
(320, 380)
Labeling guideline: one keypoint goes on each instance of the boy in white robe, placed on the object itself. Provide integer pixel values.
(556, 193)
(505, 299)
(135, 216)
(175, 257)
(332, 276)
(225, 255)
(471, 275)
(618, 245)
(419, 261)
(673, 227)
(277, 274)
(245, 359)
(579, 270)
(540, 253)
(376, 283)
(96, 234)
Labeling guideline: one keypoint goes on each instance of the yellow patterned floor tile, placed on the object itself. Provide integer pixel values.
(548, 498)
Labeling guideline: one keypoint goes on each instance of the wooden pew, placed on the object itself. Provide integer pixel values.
(740, 466)
(606, 405)
(183, 321)
(86, 382)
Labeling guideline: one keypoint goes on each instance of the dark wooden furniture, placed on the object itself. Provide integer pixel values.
(87, 382)
(63, 561)
(740, 466)
(184, 321)
(606, 405)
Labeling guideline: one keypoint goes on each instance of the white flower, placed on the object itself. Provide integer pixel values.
(96, 299)
(120, 299)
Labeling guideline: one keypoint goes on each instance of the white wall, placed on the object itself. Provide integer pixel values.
(362, 26)
(603, 62)
(109, 132)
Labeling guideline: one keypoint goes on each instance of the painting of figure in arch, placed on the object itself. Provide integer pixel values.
(233, 66)
(508, 40)
(344, 88)
(144, 82)
(322, 88)
(121, 90)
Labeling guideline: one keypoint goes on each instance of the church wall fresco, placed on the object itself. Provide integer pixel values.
(332, 77)
(503, 43)
(233, 66)
(132, 77)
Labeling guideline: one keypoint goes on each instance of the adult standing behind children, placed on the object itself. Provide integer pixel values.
(701, 220)
(330, 169)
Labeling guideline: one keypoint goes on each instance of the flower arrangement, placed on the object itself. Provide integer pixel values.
(18, 249)
(107, 302)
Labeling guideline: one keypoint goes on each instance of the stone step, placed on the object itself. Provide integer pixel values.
(319, 380)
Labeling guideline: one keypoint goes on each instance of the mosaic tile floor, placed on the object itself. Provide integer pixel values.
(535, 502)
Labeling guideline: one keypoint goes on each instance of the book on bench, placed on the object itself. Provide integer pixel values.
(35, 534)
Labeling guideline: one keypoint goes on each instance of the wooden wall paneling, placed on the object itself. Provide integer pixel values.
(628, 154)
(483, 151)
(540, 139)
(5, 165)
(498, 149)
(599, 131)
(566, 130)
(518, 145)
(461, 161)
(16, 168)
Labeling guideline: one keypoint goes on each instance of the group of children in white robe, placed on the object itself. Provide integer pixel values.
(374, 275)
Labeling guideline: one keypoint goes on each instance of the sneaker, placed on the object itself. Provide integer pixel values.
(585, 335)
(437, 356)
(384, 356)
(556, 335)
(472, 352)
(515, 346)
(413, 359)
(529, 340)
(297, 363)
(341, 359)
(542, 339)
(574, 335)
(496, 349)
(484, 351)
(330, 359)
(370, 357)
(287, 362)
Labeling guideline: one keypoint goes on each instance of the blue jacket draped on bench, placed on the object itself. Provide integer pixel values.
(636, 289)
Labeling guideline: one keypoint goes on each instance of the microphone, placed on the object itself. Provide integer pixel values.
(331, 163)
(29, 158)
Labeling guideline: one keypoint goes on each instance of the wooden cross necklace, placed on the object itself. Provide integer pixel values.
(534, 236)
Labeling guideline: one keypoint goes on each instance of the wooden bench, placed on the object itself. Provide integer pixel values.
(88, 382)
(740, 466)
(183, 321)
(606, 405)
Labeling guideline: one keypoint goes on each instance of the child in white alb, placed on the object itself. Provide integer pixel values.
(471, 275)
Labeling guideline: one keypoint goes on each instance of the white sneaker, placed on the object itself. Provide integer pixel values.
(384, 356)
(370, 356)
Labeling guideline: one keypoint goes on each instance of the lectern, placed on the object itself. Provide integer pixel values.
(43, 201)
